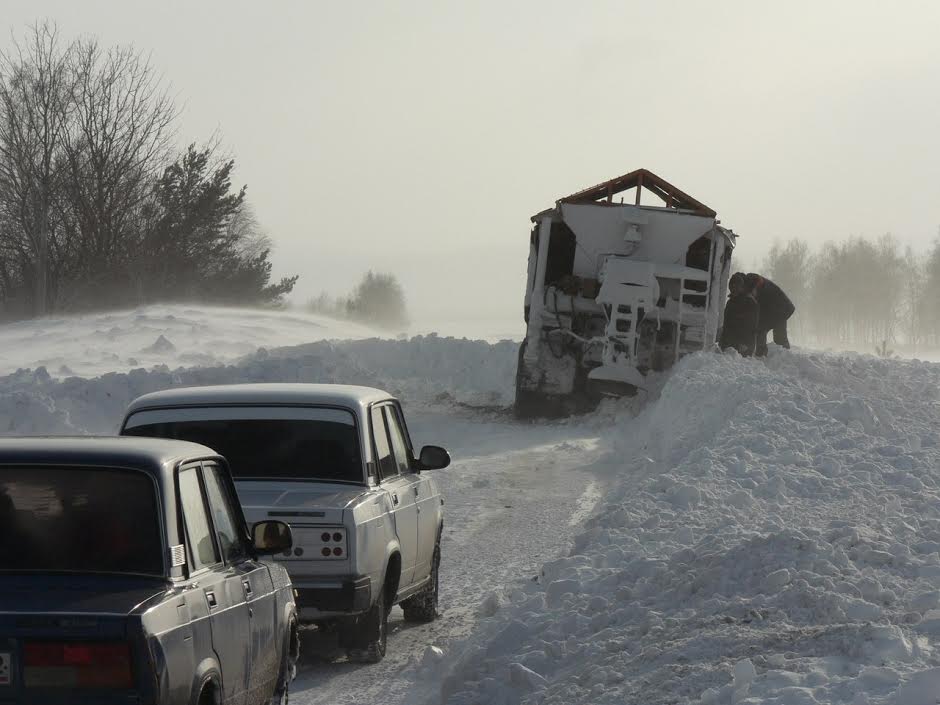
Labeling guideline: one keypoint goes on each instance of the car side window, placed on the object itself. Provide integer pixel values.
(202, 551)
(399, 447)
(383, 453)
(224, 517)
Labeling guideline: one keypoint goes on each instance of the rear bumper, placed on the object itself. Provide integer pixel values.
(332, 596)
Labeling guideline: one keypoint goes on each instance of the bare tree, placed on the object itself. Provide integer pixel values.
(118, 141)
(914, 288)
(789, 266)
(35, 84)
(96, 209)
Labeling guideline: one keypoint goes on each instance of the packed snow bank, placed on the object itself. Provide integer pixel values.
(774, 538)
(172, 335)
(419, 370)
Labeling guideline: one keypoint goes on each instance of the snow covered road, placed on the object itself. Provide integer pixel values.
(510, 497)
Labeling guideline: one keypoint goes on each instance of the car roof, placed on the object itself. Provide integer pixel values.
(342, 395)
(142, 453)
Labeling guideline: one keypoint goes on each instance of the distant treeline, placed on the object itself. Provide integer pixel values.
(861, 293)
(378, 300)
(96, 207)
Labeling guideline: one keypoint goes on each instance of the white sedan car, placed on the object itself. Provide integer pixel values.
(336, 463)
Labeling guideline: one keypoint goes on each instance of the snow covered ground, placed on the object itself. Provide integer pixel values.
(764, 531)
(773, 537)
(172, 335)
(180, 335)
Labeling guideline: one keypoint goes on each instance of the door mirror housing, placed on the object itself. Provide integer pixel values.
(271, 537)
(433, 458)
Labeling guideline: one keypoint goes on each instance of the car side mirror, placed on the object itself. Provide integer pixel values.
(433, 458)
(271, 537)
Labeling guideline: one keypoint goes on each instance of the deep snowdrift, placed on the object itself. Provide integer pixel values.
(420, 370)
(774, 538)
(173, 335)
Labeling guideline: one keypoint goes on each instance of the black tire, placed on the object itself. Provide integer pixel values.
(207, 696)
(423, 606)
(372, 633)
(288, 669)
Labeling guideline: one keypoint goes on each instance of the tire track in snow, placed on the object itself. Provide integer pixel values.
(508, 509)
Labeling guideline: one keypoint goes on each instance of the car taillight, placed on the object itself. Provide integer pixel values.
(333, 542)
(77, 665)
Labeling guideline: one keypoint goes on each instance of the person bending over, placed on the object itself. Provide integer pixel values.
(775, 309)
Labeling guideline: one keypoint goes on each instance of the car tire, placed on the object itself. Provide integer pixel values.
(373, 632)
(208, 694)
(288, 669)
(423, 606)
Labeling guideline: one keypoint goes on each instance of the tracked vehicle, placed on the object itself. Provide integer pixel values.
(617, 290)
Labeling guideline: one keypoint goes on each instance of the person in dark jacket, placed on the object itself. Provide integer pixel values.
(775, 310)
(741, 320)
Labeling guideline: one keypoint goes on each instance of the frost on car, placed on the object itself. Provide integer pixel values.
(128, 575)
(336, 462)
(616, 290)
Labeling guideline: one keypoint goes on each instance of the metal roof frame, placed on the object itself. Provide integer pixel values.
(640, 179)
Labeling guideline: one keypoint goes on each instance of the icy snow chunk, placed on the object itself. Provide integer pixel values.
(685, 536)
(926, 601)
(920, 689)
(525, 679)
(879, 678)
(508, 638)
(828, 466)
(684, 496)
(489, 606)
(742, 499)
(776, 580)
(743, 674)
(887, 643)
(930, 572)
(852, 409)
(816, 678)
(432, 658)
(557, 588)
(160, 346)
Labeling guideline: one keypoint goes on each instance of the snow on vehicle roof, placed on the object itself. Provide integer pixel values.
(343, 395)
(85, 450)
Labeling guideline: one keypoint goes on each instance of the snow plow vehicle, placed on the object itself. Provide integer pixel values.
(617, 290)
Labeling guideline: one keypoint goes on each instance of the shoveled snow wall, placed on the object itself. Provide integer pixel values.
(419, 370)
(772, 536)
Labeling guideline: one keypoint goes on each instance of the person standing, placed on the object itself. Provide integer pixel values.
(741, 319)
(775, 310)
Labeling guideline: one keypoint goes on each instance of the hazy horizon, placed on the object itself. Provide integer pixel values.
(418, 138)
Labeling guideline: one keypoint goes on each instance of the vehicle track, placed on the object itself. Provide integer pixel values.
(510, 496)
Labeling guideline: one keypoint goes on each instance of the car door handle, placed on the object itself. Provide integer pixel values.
(210, 596)
(247, 587)
(416, 491)
(394, 499)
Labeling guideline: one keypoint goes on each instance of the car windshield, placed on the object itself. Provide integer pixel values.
(79, 519)
(262, 443)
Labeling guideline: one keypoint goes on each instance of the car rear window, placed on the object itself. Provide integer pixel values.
(79, 519)
(265, 443)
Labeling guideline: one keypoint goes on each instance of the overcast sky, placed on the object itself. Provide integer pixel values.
(418, 137)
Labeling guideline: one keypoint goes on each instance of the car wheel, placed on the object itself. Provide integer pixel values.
(373, 632)
(423, 606)
(288, 670)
